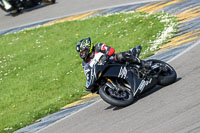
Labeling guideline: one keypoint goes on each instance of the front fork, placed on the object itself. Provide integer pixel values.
(115, 90)
(111, 84)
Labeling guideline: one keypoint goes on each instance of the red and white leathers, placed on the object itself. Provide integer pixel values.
(100, 47)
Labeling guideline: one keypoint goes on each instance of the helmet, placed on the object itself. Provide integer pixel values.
(84, 46)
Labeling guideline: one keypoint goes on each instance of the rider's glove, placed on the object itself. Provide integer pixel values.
(90, 89)
(87, 89)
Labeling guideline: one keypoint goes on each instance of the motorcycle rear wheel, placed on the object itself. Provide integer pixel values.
(119, 102)
(168, 77)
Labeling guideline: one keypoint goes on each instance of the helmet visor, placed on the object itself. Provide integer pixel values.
(83, 53)
(82, 47)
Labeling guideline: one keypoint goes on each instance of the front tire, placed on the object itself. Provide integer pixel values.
(119, 102)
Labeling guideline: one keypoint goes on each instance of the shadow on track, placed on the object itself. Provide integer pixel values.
(143, 95)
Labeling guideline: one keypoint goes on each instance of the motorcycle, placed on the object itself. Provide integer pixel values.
(119, 84)
(17, 6)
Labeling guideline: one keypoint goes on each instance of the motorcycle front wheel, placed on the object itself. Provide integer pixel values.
(119, 99)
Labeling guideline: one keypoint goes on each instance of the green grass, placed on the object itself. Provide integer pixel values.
(40, 70)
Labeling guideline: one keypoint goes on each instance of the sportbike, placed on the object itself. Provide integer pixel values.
(120, 83)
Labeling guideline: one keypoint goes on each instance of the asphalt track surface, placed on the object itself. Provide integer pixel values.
(171, 109)
(61, 9)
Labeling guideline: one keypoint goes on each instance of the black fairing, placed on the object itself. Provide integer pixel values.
(113, 71)
(123, 71)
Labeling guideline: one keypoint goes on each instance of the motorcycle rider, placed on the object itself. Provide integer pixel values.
(87, 52)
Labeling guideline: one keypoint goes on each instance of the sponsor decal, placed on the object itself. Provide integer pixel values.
(142, 85)
(122, 72)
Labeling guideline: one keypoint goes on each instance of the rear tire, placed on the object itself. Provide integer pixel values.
(166, 78)
(103, 92)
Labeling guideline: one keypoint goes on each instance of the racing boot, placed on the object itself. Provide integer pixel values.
(136, 51)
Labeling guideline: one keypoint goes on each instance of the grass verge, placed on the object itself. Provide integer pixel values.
(40, 70)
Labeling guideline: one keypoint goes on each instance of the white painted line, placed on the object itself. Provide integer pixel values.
(185, 51)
